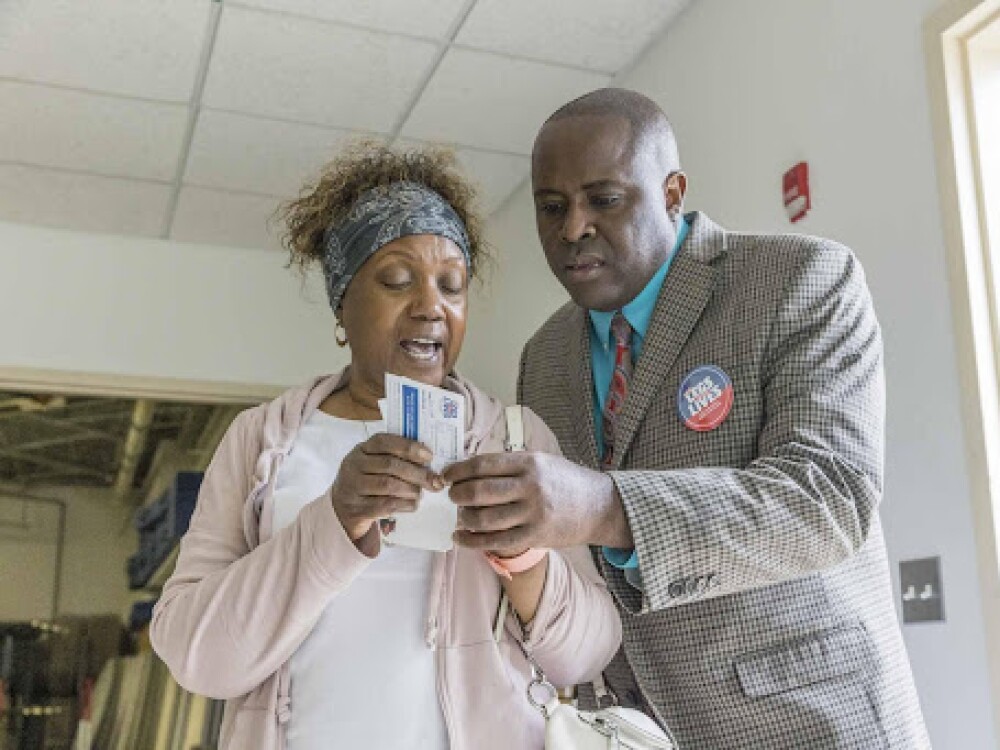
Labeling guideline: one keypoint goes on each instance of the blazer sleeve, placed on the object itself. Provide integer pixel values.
(809, 499)
(576, 629)
(230, 616)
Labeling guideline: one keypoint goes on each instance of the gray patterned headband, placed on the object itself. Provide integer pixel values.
(380, 216)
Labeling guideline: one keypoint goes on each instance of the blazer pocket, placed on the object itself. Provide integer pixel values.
(828, 655)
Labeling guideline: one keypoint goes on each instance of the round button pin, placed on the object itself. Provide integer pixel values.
(705, 398)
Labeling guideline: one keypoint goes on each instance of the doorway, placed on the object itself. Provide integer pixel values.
(95, 493)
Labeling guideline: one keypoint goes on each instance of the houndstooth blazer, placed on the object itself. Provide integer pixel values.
(765, 618)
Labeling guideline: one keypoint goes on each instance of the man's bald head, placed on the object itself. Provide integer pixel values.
(609, 195)
(651, 130)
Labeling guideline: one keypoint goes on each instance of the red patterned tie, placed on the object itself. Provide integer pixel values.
(622, 333)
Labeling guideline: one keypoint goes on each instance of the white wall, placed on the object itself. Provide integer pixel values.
(753, 88)
(517, 295)
(27, 559)
(137, 307)
(98, 540)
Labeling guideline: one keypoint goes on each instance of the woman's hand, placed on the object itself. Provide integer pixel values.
(381, 476)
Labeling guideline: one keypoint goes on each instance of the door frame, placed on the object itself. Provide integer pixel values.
(112, 385)
(946, 33)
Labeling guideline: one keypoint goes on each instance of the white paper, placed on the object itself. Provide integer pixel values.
(436, 418)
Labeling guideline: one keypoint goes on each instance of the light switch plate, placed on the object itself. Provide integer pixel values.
(920, 589)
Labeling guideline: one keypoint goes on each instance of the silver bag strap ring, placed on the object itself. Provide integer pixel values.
(542, 705)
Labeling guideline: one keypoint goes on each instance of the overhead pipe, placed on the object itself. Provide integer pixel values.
(135, 445)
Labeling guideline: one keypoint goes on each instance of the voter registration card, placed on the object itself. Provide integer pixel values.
(436, 418)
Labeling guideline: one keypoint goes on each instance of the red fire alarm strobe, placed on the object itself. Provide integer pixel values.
(796, 191)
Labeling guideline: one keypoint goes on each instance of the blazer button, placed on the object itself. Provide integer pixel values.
(694, 584)
(677, 589)
(712, 581)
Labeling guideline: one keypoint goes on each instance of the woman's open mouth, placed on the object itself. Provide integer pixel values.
(422, 350)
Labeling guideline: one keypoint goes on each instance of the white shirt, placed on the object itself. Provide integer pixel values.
(364, 677)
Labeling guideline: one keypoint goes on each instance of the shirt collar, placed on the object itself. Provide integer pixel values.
(639, 311)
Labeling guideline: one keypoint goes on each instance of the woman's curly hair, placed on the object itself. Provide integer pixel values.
(361, 167)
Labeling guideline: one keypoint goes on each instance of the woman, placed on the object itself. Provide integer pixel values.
(285, 601)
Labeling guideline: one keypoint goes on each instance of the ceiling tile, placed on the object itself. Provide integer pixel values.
(308, 71)
(496, 175)
(260, 156)
(592, 34)
(91, 132)
(483, 100)
(146, 48)
(430, 18)
(216, 217)
(30, 195)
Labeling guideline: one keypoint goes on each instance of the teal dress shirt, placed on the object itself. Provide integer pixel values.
(638, 313)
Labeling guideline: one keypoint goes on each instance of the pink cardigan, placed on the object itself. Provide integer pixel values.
(242, 599)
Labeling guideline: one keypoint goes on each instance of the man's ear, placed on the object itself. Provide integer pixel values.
(674, 188)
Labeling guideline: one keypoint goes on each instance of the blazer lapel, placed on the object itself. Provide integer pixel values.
(685, 293)
(580, 387)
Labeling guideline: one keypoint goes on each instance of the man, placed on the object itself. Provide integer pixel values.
(719, 398)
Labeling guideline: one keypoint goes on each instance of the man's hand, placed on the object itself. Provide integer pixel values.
(513, 501)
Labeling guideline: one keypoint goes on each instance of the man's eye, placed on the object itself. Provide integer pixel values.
(604, 201)
(549, 208)
(395, 283)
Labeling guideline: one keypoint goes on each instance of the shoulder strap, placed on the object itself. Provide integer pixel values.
(515, 442)
(515, 429)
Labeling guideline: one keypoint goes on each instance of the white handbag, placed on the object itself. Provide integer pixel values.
(567, 727)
